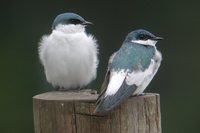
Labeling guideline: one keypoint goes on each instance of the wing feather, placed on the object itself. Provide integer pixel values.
(108, 102)
(106, 79)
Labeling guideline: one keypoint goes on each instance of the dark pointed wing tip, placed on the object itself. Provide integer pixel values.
(97, 112)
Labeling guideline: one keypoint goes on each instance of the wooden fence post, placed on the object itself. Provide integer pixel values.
(71, 112)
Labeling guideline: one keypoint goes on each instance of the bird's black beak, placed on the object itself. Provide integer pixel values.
(87, 23)
(158, 38)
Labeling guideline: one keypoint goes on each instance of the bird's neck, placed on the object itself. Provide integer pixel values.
(70, 28)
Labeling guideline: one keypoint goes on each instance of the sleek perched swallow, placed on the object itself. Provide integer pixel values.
(69, 54)
(130, 70)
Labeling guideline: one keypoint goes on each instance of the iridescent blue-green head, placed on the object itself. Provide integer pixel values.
(69, 18)
(142, 37)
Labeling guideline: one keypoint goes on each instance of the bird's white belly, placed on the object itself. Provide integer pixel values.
(144, 84)
(70, 63)
(148, 74)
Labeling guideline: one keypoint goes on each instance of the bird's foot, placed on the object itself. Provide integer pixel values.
(77, 90)
(142, 94)
(86, 90)
(61, 89)
(135, 95)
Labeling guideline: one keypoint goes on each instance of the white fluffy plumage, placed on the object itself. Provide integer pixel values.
(69, 56)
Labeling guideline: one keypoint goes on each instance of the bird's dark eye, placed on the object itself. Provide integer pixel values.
(75, 21)
(143, 37)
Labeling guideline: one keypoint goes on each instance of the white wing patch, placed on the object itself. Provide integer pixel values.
(116, 80)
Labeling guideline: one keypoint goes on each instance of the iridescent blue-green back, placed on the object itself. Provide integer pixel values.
(133, 56)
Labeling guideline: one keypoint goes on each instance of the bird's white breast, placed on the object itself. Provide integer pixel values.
(143, 78)
(69, 57)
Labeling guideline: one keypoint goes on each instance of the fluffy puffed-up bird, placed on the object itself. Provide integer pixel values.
(69, 54)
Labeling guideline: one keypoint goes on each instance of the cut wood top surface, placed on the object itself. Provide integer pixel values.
(83, 95)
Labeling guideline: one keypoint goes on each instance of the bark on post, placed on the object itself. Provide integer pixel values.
(71, 112)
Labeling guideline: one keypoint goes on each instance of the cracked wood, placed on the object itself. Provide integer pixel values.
(71, 112)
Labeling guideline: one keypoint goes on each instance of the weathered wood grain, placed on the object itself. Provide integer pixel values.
(72, 112)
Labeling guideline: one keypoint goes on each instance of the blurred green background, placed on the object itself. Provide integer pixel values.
(22, 23)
